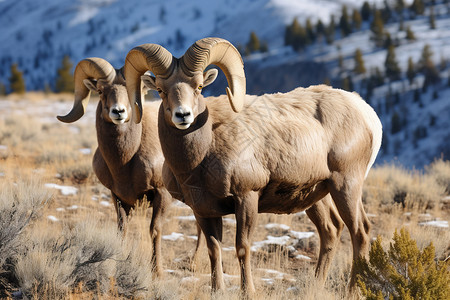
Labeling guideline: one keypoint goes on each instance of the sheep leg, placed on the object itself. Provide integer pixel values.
(122, 211)
(200, 243)
(161, 201)
(346, 194)
(329, 225)
(246, 216)
(212, 228)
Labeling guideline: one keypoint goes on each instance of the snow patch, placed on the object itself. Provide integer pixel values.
(64, 189)
(52, 218)
(186, 218)
(435, 223)
(105, 203)
(85, 151)
(277, 226)
(174, 236)
(301, 235)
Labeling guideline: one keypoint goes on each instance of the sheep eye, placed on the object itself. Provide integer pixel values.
(159, 90)
(200, 87)
(100, 92)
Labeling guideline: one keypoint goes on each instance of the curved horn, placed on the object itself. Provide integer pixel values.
(89, 68)
(222, 53)
(140, 59)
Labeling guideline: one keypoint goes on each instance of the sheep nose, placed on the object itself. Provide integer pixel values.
(118, 110)
(182, 115)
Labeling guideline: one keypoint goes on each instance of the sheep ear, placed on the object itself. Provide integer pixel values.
(149, 81)
(90, 84)
(209, 76)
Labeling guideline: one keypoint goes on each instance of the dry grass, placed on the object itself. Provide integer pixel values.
(55, 246)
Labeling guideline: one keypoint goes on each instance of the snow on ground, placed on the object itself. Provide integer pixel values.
(64, 189)
(435, 223)
(174, 236)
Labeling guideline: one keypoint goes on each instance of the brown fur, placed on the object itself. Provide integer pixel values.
(129, 161)
(283, 153)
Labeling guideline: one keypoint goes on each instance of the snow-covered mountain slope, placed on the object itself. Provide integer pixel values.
(37, 34)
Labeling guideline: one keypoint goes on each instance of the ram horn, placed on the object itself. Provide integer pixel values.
(222, 53)
(146, 57)
(89, 68)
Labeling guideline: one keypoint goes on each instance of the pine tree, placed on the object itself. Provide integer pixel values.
(253, 44)
(330, 30)
(264, 47)
(432, 19)
(344, 22)
(2, 89)
(64, 78)
(427, 67)
(366, 11)
(16, 81)
(396, 123)
(320, 28)
(417, 7)
(347, 84)
(410, 34)
(359, 62)
(310, 31)
(411, 71)
(356, 19)
(377, 28)
(296, 36)
(399, 6)
(391, 64)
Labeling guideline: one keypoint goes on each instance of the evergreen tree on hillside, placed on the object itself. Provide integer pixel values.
(366, 11)
(64, 78)
(432, 19)
(2, 89)
(16, 81)
(253, 44)
(427, 67)
(320, 28)
(330, 30)
(399, 6)
(356, 19)
(411, 71)
(417, 7)
(377, 28)
(359, 62)
(344, 22)
(310, 31)
(391, 65)
(410, 34)
(296, 36)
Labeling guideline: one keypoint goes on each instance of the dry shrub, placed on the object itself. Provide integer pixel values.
(440, 171)
(390, 184)
(20, 203)
(403, 272)
(77, 172)
(57, 260)
(16, 130)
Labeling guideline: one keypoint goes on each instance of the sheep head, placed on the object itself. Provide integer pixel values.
(97, 75)
(89, 68)
(180, 81)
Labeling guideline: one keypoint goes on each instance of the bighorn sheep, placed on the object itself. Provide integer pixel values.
(128, 160)
(277, 153)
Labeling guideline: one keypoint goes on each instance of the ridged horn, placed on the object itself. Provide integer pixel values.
(146, 57)
(222, 53)
(89, 68)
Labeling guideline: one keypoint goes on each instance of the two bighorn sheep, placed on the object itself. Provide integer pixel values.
(129, 159)
(278, 153)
